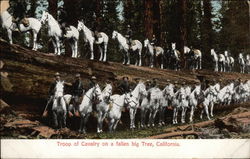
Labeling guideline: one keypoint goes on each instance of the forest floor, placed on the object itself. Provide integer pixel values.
(26, 76)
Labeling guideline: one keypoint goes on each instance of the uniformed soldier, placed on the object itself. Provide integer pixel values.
(92, 82)
(63, 20)
(77, 92)
(153, 42)
(51, 93)
(95, 28)
(154, 83)
(124, 86)
(129, 36)
(18, 10)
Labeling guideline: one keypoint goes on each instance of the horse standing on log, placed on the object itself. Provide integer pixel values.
(123, 45)
(34, 25)
(159, 52)
(55, 32)
(89, 38)
(242, 63)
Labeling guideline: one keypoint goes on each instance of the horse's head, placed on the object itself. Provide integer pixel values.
(186, 50)
(212, 52)
(97, 94)
(226, 53)
(142, 89)
(45, 16)
(107, 92)
(59, 89)
(146, 42)
(114, 34)
(80, 25)
(173, 46)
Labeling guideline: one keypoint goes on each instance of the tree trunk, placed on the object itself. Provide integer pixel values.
(182, 28)
(207, 23)
(53, 8)
(148, 4)
(157, 19)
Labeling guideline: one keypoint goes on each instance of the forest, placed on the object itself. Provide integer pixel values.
(202, 24)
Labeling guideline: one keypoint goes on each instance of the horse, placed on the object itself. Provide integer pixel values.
(34, 26)
(193, 100)
(55, 32)
(176, 106)
(85, 108)
(123, 45)
(242, 63)
(184, 102)
(221, 62)
(137, 94)
(117, 105)
(59, 109)
(215, 59)
(151, 52)
(174, 57)
(154, 104)
(248, 63)
(103, 105)
(208, 102)
(194, 56)
(89, 38)
(229, 62)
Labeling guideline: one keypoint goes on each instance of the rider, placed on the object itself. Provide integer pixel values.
(63, 21)
(92, 82)
(124, 86)
(77, 92)
(95, 27)
(154, 83)
(153, 42)
(18, 10)
(51, 92)
(129, 36)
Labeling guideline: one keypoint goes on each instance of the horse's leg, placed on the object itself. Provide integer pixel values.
(131, 114)
(115, 124)
(134, 117)
(55, 119)
(140, 57)
(72, 49)
(211, 109)
(150, 118)
(99, 120)
(128, 54)
(105, 45)
(111, 124)
(191, 114)
(34, 40)
(102, 119)
(81, 123)
(54, 45)
(162, 61)
(200, 60)
(91, 45)
(207, 112)
(124, 58)
(101, 52)
(58, 46)
(142, 118)
(10, 36)
(154, 115)
(174, 116)
(85, 122)
(76, 49)
(183, 115)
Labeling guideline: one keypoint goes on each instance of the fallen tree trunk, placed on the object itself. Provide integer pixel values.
(173, 134)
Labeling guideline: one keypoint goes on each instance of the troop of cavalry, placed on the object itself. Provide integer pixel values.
(166, 58)
(182, 98)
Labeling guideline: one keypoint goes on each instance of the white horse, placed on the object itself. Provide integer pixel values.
(117, 105)
(167, 92)
(194, 56)
(103, 105)
(242, 63)
(123, 45)
(150, 52)
(59, 109)
(174, 56)
(176, 106)
(85, 108)
(248, 63)
(193, 100)
(221, 62)
(55, 32)
(154, 104)
(89, 38)
(137, 94)
(9, 25)
(229, 62)
(215, 59)
(208, 102)
(184, 102)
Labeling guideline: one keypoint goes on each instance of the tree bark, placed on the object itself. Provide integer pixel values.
(53, 8)
(148, 21)
(182, 28)
(207, 23)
